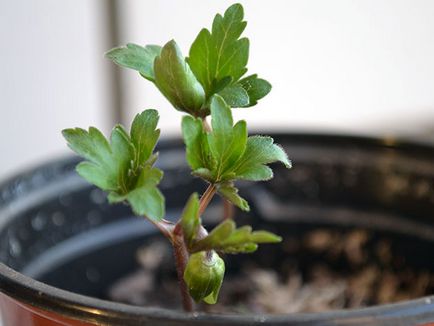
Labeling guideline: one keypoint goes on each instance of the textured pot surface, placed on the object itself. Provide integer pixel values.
(54, 228)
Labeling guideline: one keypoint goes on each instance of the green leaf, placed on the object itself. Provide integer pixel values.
(227, 190)
(237, 147)
(136, 57)
(219, 85)
(257, 172)
(221, 231)
(233, 53)
(198, 153)
(123, 167)
(148, 201)
(221, 136)
(202, 60)
(227, 238)
(144, 134)
(226, 153)
(190, 219)
(217, 55)
(255, 87)
(260, 150)
(226, 142)
(144, 198)
(149, 176)
(107, 164)
(177, 82)
(212, 155)
(235, 96)
(96, 175)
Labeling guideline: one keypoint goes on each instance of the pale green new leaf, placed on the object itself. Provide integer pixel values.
(218, 234)
(136, 57)
(190, 219)
(228, 191)
(227, 238)
(177, 82)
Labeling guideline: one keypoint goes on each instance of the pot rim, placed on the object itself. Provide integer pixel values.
(76, 306)
(88, 309)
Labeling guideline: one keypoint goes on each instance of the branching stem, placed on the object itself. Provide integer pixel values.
(166, 228)
(180, 251)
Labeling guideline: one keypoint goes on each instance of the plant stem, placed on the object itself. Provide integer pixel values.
(181, 258)
(228, 210)
(180, 252)
(166, 228)
(206, 198)
(175, 235)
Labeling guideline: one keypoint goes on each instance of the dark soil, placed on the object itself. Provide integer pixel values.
(328, 270)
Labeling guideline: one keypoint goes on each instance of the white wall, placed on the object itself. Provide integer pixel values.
(348, 66)
(52, 76)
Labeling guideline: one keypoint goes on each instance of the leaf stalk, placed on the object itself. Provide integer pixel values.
(206, 198)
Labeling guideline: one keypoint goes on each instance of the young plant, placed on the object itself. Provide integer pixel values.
(208, 82)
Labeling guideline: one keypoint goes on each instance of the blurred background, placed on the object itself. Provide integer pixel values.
(353, 67)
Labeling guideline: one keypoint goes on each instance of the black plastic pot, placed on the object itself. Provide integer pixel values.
(62, 245)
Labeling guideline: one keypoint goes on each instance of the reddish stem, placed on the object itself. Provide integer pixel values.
(228, 210)
(181, 258)
(206, 198)
(165, 227)
(176, 235)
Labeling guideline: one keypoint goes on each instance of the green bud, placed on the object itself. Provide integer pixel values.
(204, 276)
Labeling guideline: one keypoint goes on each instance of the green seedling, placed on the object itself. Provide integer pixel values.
(209, 82)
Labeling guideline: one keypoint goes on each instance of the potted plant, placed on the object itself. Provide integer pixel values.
(341, 213)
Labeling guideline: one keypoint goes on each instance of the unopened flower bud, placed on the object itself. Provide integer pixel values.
(204, 276)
